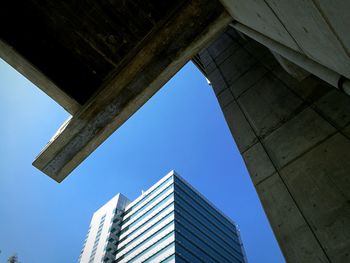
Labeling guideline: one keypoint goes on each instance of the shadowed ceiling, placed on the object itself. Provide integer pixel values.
(78, 44)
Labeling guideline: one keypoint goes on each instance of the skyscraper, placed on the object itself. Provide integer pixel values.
(170, 222)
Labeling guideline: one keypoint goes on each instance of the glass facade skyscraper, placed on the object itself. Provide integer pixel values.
(170, 222)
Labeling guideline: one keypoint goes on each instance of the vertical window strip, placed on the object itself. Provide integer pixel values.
(97, 239)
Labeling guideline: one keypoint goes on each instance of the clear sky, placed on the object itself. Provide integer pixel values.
(180, 128)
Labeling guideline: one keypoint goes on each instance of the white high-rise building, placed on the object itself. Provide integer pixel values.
(170, 222)
(101, 229)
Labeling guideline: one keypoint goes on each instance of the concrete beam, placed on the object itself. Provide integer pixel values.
(39, 79)
(176, 42)
(316, 29)
(292, 69)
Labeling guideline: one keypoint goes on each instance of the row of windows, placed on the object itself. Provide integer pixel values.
(167, 213)
(184, 193)
(154, 245)
(117, 215)
(213, 220)
(113, 236)
(204, 243)
(146, 222)
(146, 231)
(164, 250)
(179, 258)
(188, 210)
(138, 203)
(184, 253)
(203, 203)
(219, 217)
(167, 198)
(216, 216)
(199, 239)
(158, 232)
(199, 253)
(148, 203)
(205, 229)
(205, 220)
(195, 229)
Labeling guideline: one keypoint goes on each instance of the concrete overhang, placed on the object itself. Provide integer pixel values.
(101, 60)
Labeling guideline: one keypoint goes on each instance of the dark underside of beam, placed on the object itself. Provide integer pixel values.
(78, 44)
(159, 57)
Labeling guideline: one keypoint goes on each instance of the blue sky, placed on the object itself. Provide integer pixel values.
(180, 128)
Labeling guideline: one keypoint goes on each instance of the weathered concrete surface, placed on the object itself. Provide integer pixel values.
(292, 69)
(294, 138)
(239, 126)
(337, 10)
(38, 78)
(259, 16)
(318, 29)
(258, 163)
(297, 241)
(335, 107)
(78, 45)
(319, 181)
(269, 103)
(158, 59)
(346, 131)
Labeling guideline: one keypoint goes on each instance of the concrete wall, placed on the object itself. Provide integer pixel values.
(302, 26)
(295, 140)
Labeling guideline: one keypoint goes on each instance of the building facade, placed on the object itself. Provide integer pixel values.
(170, 222)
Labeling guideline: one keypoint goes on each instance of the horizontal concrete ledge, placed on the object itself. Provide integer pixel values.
(176, 42)
(24, 67)
(328, 75)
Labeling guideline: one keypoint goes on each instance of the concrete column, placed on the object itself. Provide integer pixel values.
(295, 140)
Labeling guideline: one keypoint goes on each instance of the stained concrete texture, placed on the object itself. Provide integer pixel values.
(319, 182)
(233, 70)
(248, 79)
(335, 107)
(317, 29)
(346, 131)
(258, 163)
(259, 16)
(268, 104)
(239, 127)
(310, 89)
(219, 48)
(205, 58)
(294, 138)
(297, 136)
(291, 68)
(217, 80)
(286, 219)
(225, 98)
